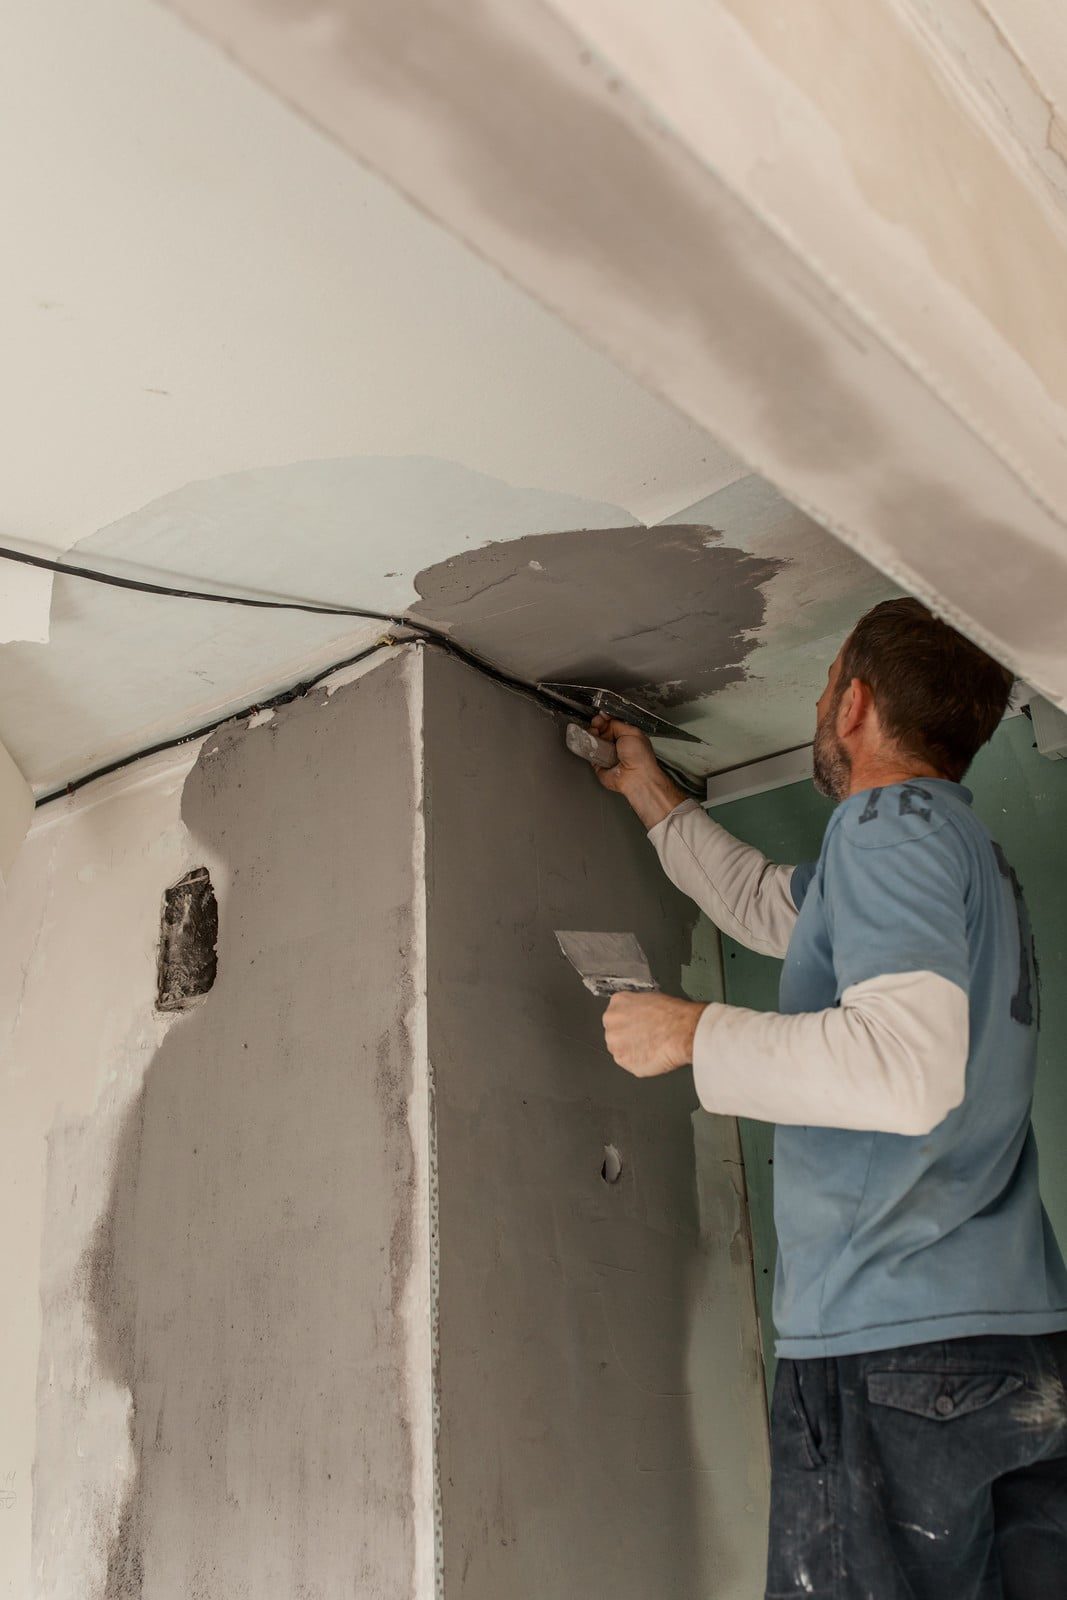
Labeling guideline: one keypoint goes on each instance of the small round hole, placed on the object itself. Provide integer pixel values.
(611, 1171)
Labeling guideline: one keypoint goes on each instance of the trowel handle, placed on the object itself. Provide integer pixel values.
(598, 752)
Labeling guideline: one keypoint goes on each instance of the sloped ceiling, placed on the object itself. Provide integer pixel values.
(234, 356)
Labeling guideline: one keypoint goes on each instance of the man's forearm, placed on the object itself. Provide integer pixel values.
(655, 798)
(743, 893)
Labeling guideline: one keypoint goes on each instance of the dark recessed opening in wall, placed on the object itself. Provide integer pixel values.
(611, 1171)
(188, 934)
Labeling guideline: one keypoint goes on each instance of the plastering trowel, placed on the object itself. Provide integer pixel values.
(607, 963)
(601, 752)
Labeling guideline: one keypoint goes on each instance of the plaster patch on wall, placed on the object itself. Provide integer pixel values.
(234, 1310)
(601, 1432)
(664, 613)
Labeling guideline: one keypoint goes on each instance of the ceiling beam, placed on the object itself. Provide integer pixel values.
(796, 223)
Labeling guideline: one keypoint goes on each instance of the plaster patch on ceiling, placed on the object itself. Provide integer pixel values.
(822, 589)
(666, 614)
(727, 615)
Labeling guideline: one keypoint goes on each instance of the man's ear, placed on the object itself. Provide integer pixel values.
(857, 703)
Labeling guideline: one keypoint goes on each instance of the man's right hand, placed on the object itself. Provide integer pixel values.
(637, 774)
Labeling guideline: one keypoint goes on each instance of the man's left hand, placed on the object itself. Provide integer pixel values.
(650, 1034)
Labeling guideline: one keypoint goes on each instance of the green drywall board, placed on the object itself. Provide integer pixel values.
(1022, 798)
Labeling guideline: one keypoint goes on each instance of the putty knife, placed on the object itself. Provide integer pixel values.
(590, 701)
(601, 752)
(607, 963)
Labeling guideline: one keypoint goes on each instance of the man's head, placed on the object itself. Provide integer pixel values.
(906, 696)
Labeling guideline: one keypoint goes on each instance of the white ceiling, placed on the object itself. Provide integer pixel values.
(194, 282)
(233, 354)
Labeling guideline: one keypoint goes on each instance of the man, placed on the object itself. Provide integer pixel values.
(919, 1421)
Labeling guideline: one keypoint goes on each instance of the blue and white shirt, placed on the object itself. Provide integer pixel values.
(899, 1069)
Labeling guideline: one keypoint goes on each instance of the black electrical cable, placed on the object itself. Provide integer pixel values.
(95, 575)
(281, 699)
(423, 630)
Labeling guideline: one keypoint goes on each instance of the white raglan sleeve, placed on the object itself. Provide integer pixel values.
(891, 1054)
(744, 894)
(892, 1057)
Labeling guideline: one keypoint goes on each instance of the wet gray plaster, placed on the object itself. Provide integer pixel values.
(243, 1282)
(666, 614)
(602, 1412)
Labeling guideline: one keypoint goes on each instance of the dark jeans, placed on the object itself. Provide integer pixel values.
(930, 1472)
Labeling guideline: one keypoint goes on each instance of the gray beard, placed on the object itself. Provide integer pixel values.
(831, 768)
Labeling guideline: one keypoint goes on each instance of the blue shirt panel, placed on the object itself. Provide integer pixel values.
(887, 1239)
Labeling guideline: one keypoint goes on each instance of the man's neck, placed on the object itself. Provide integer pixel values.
(876, 775)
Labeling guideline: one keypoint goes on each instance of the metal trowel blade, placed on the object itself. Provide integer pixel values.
(591, 700)
(607, 963)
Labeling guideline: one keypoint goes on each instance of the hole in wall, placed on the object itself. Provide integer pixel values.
(611, 1171)
(188, 934)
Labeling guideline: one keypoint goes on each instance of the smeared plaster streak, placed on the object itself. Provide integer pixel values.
(907, 395)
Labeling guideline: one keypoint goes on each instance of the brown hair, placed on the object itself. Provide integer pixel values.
(939, 697)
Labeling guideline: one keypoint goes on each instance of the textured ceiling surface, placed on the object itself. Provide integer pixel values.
(728, 616)
(232, 356)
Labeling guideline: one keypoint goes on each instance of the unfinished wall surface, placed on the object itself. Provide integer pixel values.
(1022, 799)
(602, 1422)
(322, 1288)
(234, 1251)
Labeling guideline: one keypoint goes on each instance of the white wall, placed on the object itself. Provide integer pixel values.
(79, 929)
